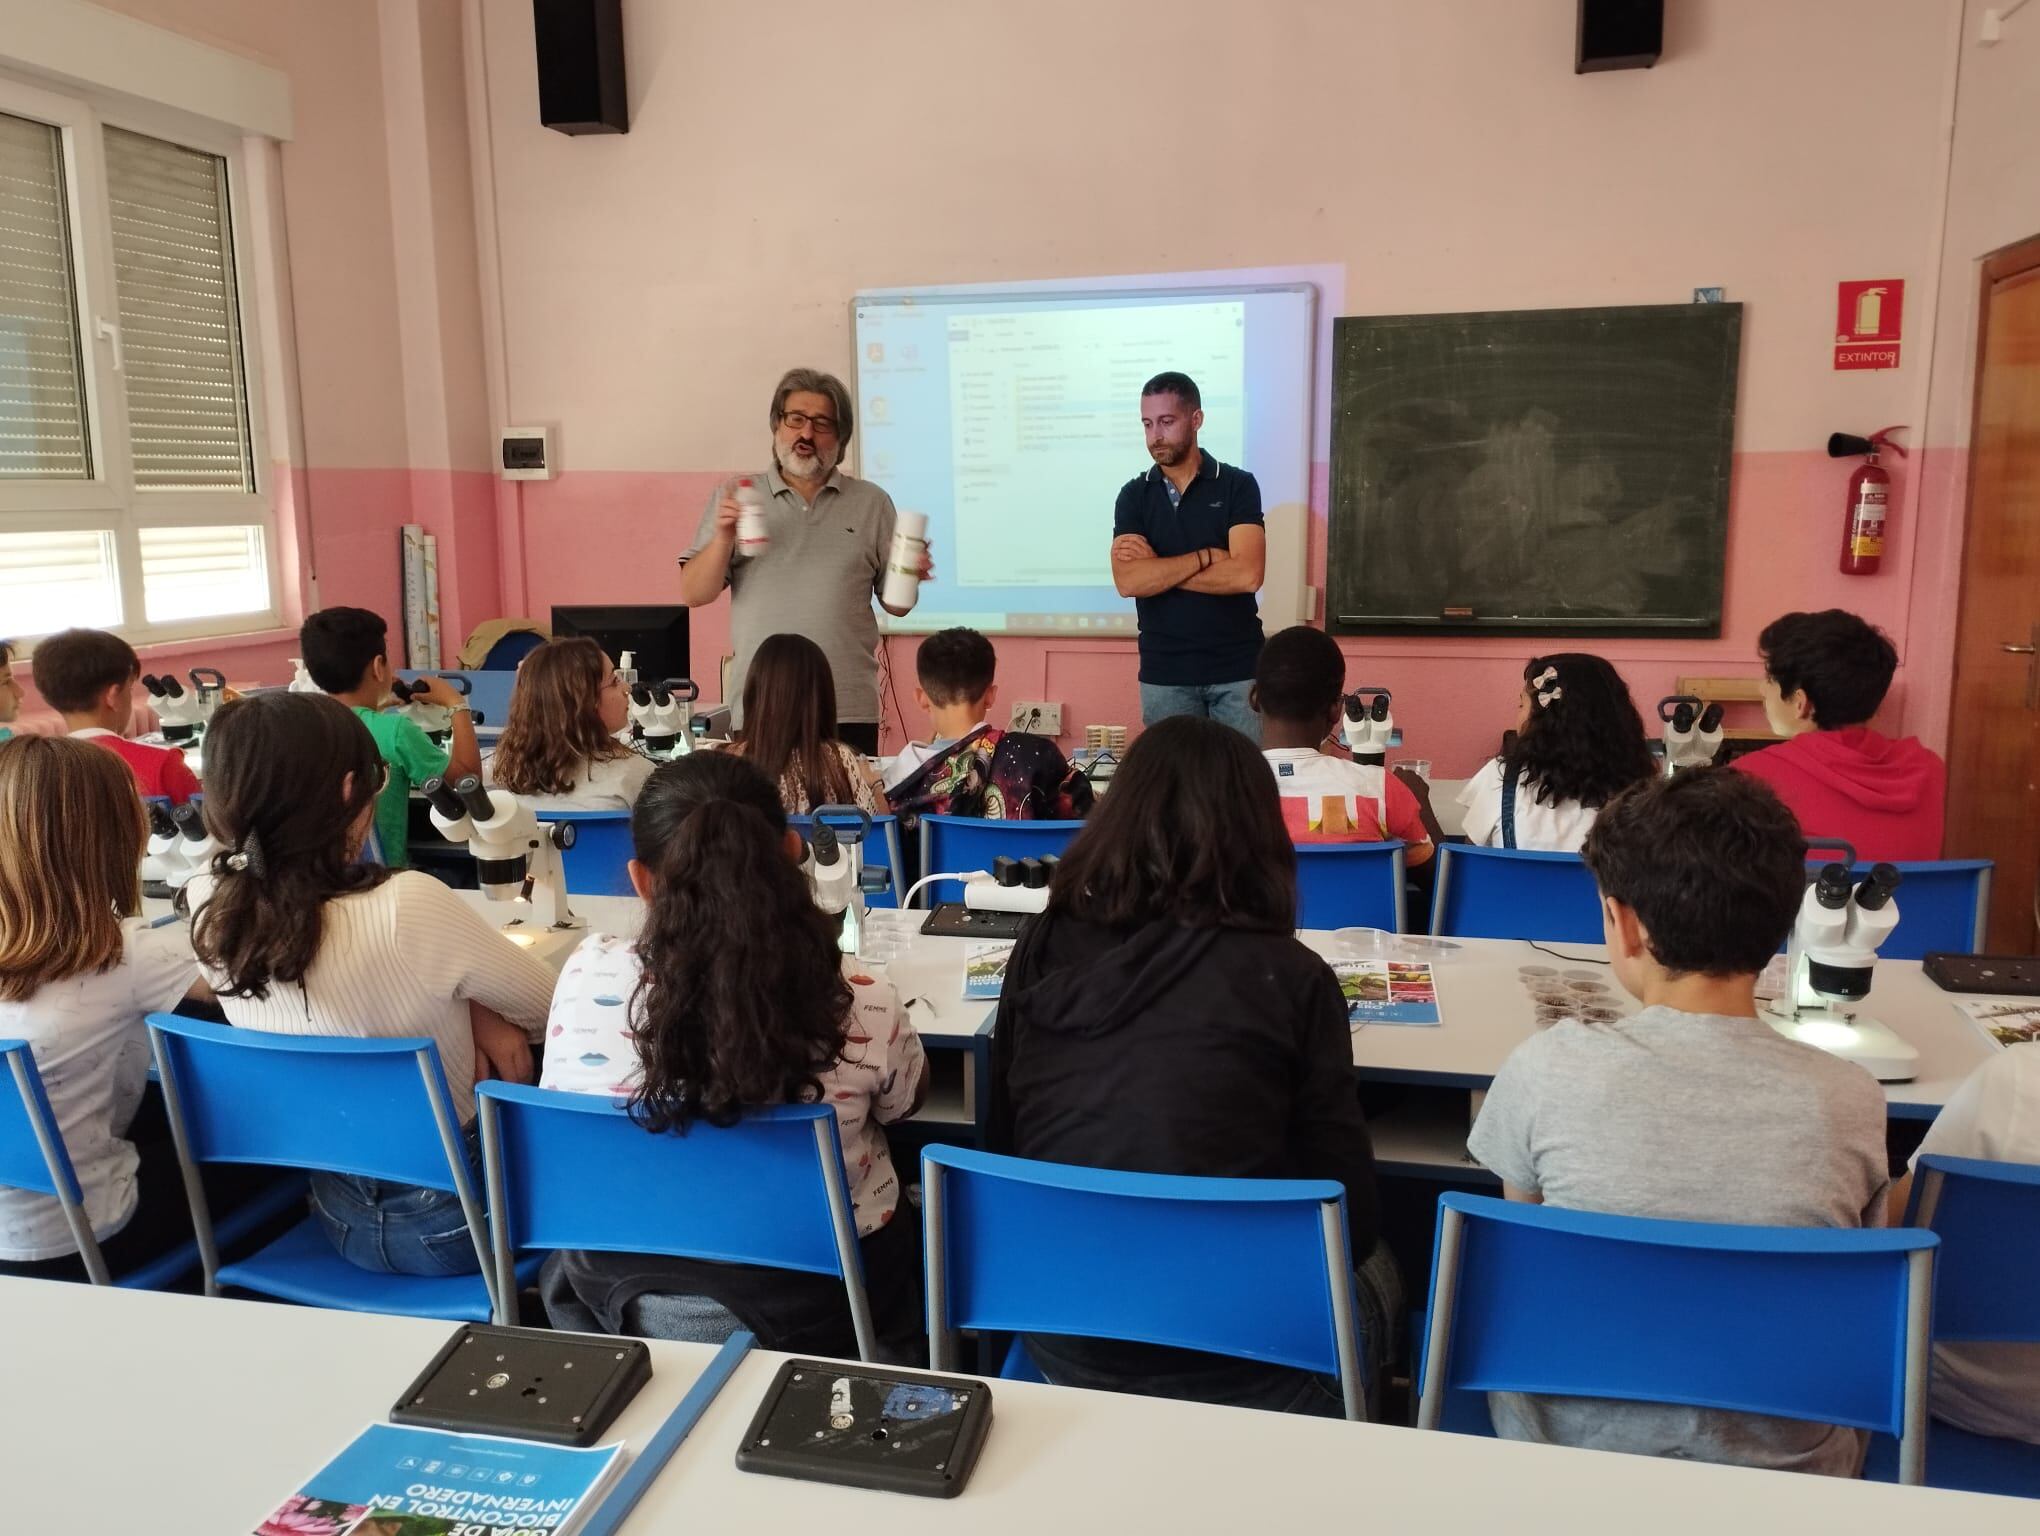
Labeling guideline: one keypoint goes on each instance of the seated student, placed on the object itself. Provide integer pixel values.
(1825, 675)
(79, 972)
(790, 730)
(88, 676)
(299, 937)
(1693, 1109)
(346, 650)
(1579, 743)
(1299, 689)
(970, 767)
(10, 690)
(738, 996)
(1162, 1017)
(1987, 1389)
(560, 750)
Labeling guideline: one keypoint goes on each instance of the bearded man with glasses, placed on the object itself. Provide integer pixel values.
(825, 564)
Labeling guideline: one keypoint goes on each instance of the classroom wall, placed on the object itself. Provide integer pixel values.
(655, 284)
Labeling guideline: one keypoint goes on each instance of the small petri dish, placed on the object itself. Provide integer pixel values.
(1535, 972)
(1363, 944)
(1418, 946)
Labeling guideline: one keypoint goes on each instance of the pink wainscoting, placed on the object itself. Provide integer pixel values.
(596, 536)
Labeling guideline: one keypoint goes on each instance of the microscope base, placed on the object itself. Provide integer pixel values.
(1852, 1036)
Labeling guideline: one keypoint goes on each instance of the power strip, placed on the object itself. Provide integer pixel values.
(981, 893)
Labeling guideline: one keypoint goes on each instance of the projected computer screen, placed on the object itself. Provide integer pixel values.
(1012, 420)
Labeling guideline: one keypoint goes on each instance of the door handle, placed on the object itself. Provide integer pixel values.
(2018, 650)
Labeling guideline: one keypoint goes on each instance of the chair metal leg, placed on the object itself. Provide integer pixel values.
(497, 1182)
(457, 1166)
(849, 1257)
(1345, 1324)
(194, 1186)
(1919, 1313)
(1438, 1337)
(941, 1342)
(1439, 882)
(57, 1160)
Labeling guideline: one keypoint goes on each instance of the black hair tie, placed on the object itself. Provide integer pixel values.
(247, 857)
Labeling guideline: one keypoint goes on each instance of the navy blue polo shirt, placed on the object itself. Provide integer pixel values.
(1193, 638)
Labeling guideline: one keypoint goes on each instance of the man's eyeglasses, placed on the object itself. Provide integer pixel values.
(800, 421)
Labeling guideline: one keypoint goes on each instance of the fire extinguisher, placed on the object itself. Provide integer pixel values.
(1868, 500)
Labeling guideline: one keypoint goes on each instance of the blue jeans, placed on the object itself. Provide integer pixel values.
(1223, 702)
(398, 1229)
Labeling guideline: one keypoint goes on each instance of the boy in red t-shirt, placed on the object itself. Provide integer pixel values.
(88, 677)
(1825, 675)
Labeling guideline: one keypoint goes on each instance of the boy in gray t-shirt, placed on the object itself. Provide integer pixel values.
(1694, 1109)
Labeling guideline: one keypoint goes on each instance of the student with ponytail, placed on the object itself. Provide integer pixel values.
(736, 995)
(299, 937)
(1579, 743)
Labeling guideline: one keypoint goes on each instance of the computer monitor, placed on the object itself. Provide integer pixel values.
(656, 636)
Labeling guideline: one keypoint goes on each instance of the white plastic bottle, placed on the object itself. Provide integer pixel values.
(301, 679)
(903, 565)
(752, 537)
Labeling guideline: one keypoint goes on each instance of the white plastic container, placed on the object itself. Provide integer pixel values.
(301, 679)
(903, 565)
(752, 537)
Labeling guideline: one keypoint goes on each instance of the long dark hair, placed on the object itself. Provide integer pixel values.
(555, 728)
(1192, 833)
(1586, 744)
(790, 719)
(278, 797)
(742, 999)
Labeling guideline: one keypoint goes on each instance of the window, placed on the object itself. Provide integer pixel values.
(131, 471)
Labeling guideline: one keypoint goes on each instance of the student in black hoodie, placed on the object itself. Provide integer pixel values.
(1161, 1017)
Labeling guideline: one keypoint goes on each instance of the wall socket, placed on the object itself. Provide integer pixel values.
(1037, 718)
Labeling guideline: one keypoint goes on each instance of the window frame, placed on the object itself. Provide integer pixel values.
(110, 501)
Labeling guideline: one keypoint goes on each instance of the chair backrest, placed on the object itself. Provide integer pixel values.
(375, 1108)
(32, 1151)
(1941, 905)
(881, 847)
(1987, 1216)
(1515, 893)
(574, 1170)
(488, 691)
(598, 863)
(1350, 885)
(1531, 1298)
(1254, 1268)
(964, 842)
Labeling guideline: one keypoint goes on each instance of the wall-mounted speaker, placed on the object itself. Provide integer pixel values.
(580, 65)
(1619, 34)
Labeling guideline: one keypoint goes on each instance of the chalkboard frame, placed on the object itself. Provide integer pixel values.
(1704, 554)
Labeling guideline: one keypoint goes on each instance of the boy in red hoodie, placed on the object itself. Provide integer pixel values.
(1825, 674)
(88, 676)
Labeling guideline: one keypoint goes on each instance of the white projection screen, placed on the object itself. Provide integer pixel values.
(1012, 418)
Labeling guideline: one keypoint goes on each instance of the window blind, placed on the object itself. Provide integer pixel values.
(42, 382)
(51, 581)
(196, 573)
(186, 381)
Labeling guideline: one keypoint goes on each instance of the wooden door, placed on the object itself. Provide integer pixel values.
(1994, 736)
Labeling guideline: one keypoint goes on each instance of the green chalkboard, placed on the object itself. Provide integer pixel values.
(1560, 471)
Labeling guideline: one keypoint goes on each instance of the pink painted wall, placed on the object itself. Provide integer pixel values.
(655, 284)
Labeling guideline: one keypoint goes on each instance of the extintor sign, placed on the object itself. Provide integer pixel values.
(1869, 318)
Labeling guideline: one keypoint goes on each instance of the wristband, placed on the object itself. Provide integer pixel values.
(460, 709)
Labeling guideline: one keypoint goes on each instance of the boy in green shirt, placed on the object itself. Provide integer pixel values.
(346, 650)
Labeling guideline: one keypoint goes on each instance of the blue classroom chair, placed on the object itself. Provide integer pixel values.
(1941, 905)
(488, 691)
(950, 843)
(882, 847)
(574, 1170)
(374, 1108)
(1259, 1269)
(33, 1156)
(1642, 1310)
(1350, 885)
(1515, 893)
(597, 863)
(1987, 1216)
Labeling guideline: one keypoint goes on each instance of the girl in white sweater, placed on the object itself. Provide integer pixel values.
(298, 937)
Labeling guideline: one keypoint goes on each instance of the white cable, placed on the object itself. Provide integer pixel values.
(961, 874)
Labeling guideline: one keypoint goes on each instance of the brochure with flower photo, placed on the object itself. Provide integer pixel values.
(398, 1481)
(984, 970)
(1388, 991)
(2006, 1023)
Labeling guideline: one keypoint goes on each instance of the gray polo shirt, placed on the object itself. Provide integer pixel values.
(818, 579)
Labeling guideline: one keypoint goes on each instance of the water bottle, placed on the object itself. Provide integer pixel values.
(301, 679)
(752, 539)
(903, 565)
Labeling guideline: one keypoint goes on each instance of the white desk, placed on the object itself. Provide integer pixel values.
(211, 1412)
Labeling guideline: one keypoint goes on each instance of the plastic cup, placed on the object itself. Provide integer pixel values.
(1420, 766)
